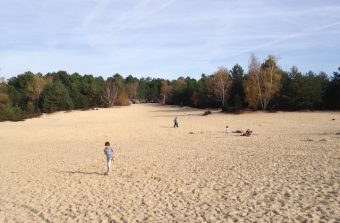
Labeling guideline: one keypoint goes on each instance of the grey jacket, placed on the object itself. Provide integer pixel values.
(108, 151)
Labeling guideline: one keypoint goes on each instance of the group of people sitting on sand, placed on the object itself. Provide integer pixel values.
(248, 132)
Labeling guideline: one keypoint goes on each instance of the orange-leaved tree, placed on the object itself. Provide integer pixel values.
(122, 99)
(4, 98)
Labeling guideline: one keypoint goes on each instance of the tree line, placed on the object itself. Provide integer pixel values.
(265, 86)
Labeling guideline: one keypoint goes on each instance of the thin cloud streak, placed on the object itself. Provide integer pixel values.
(306, 32)
(167, 38)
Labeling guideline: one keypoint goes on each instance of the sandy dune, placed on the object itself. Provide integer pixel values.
(51, 168)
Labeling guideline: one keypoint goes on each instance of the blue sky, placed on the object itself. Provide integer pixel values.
(166, 38)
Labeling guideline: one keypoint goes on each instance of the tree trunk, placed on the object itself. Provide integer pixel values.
(164, 98)
(222, 89)
(259, 87)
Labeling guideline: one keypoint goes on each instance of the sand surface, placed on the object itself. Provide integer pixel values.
(51, 167)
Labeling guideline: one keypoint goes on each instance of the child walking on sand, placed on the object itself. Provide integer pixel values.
(175, 122)
(226, 131)
(108, 151)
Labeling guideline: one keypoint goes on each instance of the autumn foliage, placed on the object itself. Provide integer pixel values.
(264, 86)
(122, 99)
(263, 82)
(221, 85)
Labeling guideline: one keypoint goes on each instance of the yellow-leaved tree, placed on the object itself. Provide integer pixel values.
(263, 82)
(132, 89)
(39, 84)
(165, 91)
(221, 84)
(4, 98)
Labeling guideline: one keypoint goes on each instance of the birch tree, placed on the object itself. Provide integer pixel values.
(38, 84)
(132, 90)
(262, 83)
(165, 90)
(221, 84)
(113, 86)
(271, 80)
(110, 93)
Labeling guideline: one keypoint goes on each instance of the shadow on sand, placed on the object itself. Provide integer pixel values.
(166, 127)
(82, 172)
(177, 110)
(186, 115)
(174, 108)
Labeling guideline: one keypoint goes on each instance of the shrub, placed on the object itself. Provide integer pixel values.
(225, 107)
(3, 98)
(206, 113)
(9, 112)
(123, 99)
(29, 108)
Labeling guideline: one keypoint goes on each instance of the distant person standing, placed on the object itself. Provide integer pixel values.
(175, 122)
(108, 151)
(226, 131)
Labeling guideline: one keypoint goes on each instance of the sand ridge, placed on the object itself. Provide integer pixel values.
(51, 168)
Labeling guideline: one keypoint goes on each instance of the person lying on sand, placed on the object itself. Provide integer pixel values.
(108, 151)
(247, 133)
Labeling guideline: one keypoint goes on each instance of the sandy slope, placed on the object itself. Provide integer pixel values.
(51, 168)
